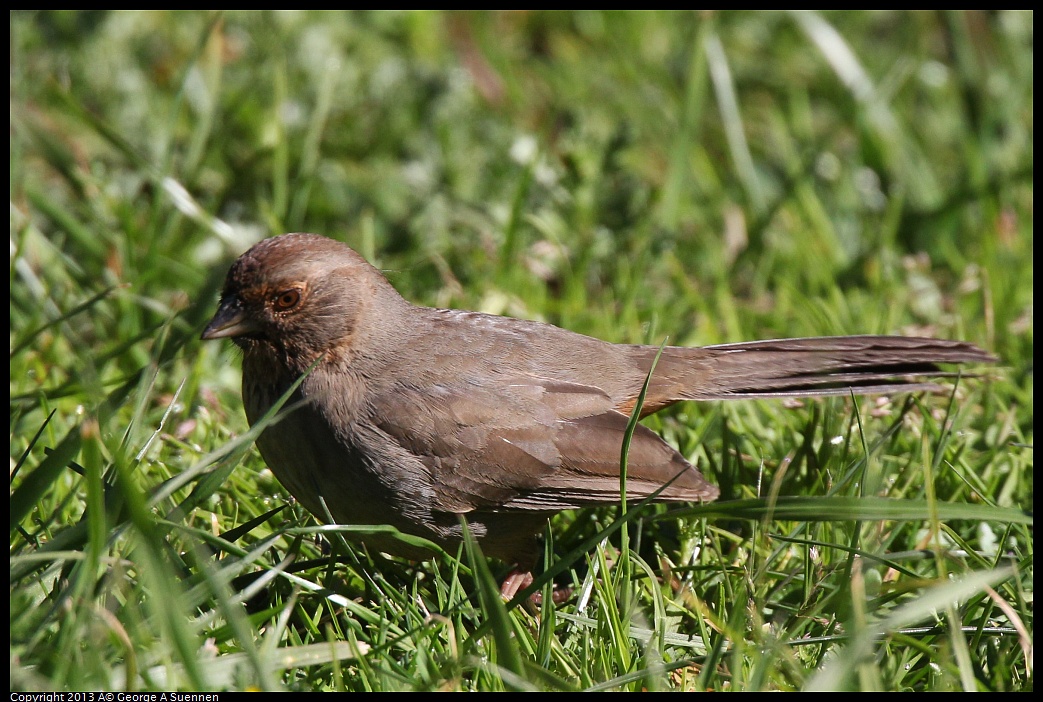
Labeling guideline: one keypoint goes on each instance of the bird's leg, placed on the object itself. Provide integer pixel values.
(515, 581)
(518, 579)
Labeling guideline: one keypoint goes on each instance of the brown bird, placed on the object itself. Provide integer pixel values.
(412, 416)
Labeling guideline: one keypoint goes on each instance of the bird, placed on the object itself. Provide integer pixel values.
(413, 417)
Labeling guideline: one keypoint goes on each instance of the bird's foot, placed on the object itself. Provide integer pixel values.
(517, 580)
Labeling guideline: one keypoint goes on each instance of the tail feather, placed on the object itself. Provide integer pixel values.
(819, 366)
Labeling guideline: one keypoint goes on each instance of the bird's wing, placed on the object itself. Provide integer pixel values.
(530, 443)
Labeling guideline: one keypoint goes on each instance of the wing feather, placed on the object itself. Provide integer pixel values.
(531, 443)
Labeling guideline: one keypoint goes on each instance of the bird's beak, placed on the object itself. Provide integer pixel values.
(230, 321)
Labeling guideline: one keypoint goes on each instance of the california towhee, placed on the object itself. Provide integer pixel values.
(413, 416)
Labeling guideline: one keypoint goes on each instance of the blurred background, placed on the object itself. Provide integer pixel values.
(699, 177)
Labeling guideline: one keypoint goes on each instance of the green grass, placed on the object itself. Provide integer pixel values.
(696, 177)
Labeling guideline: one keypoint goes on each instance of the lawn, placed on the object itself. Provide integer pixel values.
(688, 177)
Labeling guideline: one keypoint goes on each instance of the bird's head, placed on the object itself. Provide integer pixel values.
(295, 297)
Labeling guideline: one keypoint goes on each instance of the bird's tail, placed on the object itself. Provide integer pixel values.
(816, 366)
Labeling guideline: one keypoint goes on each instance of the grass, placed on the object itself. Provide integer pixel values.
(696, 177)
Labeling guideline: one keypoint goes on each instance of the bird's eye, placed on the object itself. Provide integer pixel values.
(287, 299)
